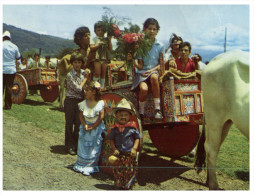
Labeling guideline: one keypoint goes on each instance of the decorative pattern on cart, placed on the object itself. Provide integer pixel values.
(186, 87)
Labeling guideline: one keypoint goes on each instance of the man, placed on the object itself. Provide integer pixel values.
(48, 64)
(10, 56)
(184, 63)
(197, 59)
(36, 62)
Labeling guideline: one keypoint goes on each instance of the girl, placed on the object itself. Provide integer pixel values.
(102, 46)
(75, 82)
(147, 74)
(174, 52)
(92, 126)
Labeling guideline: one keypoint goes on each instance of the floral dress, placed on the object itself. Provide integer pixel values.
(90, 142)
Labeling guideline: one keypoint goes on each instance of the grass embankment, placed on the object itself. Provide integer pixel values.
(233, 158)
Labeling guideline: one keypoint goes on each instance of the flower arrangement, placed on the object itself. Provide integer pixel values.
(111, 23)
(138, 44)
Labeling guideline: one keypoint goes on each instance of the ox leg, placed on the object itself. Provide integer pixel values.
(216, 133)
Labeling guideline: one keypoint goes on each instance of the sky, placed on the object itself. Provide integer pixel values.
(203, 25)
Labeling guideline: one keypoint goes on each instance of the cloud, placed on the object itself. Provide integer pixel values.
(214, 38)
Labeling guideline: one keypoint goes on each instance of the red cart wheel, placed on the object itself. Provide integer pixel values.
(111, 100)
(19, 89)
(49, 93)
(176, 140)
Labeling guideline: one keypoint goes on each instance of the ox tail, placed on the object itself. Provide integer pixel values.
(200, 156)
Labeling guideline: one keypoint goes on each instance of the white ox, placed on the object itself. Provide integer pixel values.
(225, 85)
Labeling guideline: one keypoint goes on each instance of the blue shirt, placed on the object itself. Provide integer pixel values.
(152, 58)
(10, 54)
(124, 141)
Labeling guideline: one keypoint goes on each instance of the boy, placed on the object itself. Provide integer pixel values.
(124, 141)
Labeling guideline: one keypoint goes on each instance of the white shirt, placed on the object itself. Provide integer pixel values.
(10, 54)
(201, 65)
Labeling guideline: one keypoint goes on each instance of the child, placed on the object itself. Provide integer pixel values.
(75, 83)
(102, 46)
(174, 52)
(91, 129)
(124, 141)
(147, 74)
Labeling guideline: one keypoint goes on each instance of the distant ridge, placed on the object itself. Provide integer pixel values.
(27, 41)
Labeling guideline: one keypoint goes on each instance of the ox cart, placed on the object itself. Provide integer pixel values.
(177, 133)
(35, 79)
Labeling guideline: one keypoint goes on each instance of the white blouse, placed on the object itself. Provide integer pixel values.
(91, 115)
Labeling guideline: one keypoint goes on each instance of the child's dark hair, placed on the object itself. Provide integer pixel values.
(98, 24)
(77, 56)
(174, 38)
(91, 85)
(183, 44)
(151, 21)
(80, 33)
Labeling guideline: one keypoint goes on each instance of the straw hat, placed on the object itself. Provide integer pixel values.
(123, 105)
(7, 34)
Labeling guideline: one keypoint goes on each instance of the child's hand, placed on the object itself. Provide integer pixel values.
(109, 38)
(116, 152)
(172, 64)
(101, 43)
(133, 152)
(145, 74)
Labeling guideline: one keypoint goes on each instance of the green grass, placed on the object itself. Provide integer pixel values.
(41, 114)
(233, 158)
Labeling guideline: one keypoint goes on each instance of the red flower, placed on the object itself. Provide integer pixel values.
(116, 30)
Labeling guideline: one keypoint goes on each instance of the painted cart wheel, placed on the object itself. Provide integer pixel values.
(49, 93)
(111, 100)
(19, 89)
(175, 140)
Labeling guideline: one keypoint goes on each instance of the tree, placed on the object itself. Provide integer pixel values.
(64, 52)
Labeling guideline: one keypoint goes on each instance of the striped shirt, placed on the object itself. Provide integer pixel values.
(73, 81)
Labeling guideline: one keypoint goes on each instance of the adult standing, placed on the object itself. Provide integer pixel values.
(10, 56)
(82, 39)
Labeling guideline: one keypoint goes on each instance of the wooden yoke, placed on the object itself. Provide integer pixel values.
(162, 65)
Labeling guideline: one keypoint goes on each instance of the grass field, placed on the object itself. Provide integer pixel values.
(233, 157)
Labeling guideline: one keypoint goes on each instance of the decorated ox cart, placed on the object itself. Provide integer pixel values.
(182, 106)
(35, 79)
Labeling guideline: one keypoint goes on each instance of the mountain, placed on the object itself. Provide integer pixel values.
(27, 41)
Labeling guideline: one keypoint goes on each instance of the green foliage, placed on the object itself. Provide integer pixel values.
(64, 52)
(25, 54)
(28, 41)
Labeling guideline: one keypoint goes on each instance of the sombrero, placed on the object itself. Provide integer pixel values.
(124, 105)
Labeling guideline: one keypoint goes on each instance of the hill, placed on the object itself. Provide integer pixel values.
(27, 41)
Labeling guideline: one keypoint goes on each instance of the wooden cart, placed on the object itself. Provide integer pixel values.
(35, 79)
(182, 106)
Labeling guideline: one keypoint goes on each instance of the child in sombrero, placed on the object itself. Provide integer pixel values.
(124, 141)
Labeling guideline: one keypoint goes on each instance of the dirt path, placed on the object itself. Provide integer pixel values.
(34, 159)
